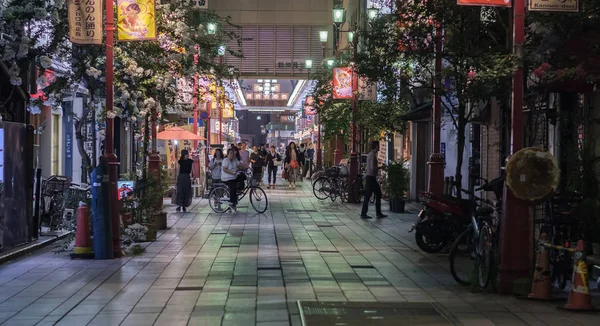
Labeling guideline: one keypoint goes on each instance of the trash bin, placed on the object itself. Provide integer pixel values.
(102, 224)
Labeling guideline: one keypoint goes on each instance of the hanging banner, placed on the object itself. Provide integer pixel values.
(85, 22)
(367, 91)
(185, 91)
(228, 110)
(136, 20)
(554, 5)
(342, 83)
(485, 3)
(309, 108)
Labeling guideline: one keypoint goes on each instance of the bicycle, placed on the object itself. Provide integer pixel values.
(218, 197)
(53, 201)
(561, 228)
(479, 243)
(331, 184)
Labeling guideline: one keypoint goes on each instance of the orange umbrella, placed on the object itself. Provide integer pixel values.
(177, 133)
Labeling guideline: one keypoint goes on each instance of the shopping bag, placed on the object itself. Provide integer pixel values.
(284, 174)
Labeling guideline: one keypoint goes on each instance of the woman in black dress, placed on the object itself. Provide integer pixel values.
(184, 181)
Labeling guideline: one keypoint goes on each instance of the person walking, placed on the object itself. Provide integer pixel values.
(372, 186)
(231, 175)
(307, 166)
(184, 181)
(257, 164)
(215, 166)
(302, 161)
(244, 154)
(292, 163)
(272, 157)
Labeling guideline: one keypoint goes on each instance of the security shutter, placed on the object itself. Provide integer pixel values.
(284, 50)
(301, 47)
(249, 64)
(266, 49)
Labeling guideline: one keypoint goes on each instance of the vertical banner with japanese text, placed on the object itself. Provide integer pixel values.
(342, 83)
(136, 20)
(85, 22)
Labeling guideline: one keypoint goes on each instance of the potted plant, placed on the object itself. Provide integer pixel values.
(398, 181)
(149, 193)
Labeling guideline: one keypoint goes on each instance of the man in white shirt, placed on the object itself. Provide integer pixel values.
(372, 185)
(244, 154)
(231, 176)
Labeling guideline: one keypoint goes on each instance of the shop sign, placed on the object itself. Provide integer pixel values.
(554, 5)
(85, 21)
(342, 83)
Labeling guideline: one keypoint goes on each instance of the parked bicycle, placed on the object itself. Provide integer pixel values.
(562, 227)
(474, 254)
(53, 201)
(218, 197)
(333, 183)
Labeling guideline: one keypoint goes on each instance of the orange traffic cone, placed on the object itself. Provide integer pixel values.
(541, 289)
(83, 241)
(579, 298)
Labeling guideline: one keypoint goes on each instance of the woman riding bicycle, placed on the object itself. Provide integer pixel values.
(231, 175)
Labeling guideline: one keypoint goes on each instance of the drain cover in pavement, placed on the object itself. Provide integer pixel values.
(373, 313)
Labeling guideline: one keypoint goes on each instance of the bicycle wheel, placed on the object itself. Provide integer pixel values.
(258, 199)
(343, 186)
(462, 264)
(358, 190)
(484, 256)
(57, 207)
(322, 188)
(216, 199)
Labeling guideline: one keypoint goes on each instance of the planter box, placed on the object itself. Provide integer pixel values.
(151, 235)
(397, 205)
(160, 220)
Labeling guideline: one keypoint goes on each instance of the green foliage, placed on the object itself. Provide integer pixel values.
(149, 193)
(398, 179)
(136, 250)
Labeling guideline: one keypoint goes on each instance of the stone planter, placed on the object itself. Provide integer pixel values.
(160, 220)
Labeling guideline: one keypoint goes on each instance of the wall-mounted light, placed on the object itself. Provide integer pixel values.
(308, 64)
(222, 50)
(211, 28)
(323, 36)
(351, 37)
(339, 15)
(330, 62)
(372, 13)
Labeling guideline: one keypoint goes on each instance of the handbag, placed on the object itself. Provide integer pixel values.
(294, 164)
(277, 163)
(285, 174)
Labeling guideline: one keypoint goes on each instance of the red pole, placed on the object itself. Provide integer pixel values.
(319, 151)
(436, 160)
(110, 131)
(353, 152)
(209, 110)
(219, 106)
(516, 250)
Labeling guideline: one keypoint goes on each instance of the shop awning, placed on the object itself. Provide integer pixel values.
(420, 113)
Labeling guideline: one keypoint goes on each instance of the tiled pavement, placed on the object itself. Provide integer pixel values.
(246, 269)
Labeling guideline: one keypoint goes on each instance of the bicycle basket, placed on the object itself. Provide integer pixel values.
(343, 170)
(333, 172)
(55, 183)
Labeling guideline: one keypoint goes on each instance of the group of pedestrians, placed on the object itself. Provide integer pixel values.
(230, 168)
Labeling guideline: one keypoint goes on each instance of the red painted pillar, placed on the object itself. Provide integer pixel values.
(516, 230)
(319, 151)
(209, 110)
(353, 153)
(436, 160)
(113, 161)
(154, 158)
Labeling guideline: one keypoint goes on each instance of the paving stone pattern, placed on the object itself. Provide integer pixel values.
(250, 269)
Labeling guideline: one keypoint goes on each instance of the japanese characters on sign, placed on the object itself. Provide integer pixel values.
(85, 21)
(554, 5)
(488, 3)
(199, 4)
(136, 20)
(185, 91)
(367, 91)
